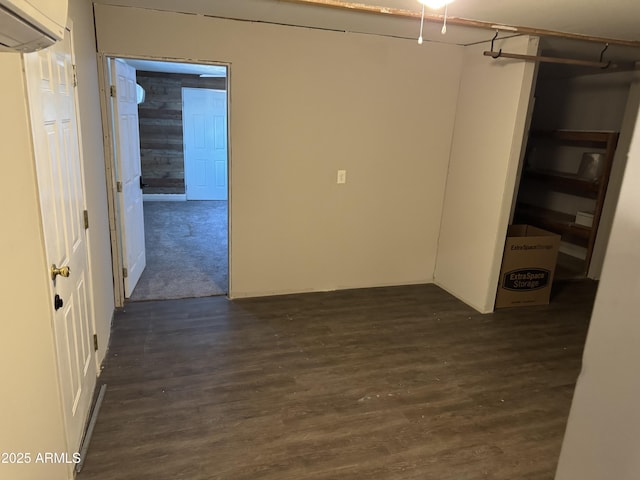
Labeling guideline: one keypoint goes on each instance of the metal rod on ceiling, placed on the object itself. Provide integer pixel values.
(566, 61)
(539, 58)
(463, 22)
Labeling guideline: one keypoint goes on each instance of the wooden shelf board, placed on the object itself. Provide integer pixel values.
(596, 139)
(564, 183)
(556, 222)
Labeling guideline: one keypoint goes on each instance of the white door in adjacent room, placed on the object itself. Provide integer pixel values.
(204, 123)
(52, 102)
(128, 172)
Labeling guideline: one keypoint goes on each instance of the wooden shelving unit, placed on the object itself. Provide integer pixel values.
(551, 179)
(566, 183)
(557, 222)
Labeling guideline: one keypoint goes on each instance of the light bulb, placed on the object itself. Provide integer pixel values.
(420, 40)
(435, 4)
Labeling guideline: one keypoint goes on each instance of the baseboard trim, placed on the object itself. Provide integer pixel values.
(93, 417)
(233, 295)
(164, 197)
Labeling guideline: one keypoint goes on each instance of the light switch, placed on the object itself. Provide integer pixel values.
(342, 176)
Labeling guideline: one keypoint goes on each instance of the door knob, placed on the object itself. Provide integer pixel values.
(62, 271)
(57, 302)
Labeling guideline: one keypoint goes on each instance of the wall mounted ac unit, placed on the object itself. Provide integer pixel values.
(29, 25)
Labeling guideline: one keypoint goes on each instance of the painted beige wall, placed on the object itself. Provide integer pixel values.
(30, 409)
(485, 155)
(601, 439)
(627, 129)
(81, 13)
(305, 103)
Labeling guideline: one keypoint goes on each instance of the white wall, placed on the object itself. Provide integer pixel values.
(30, 409)
(601, 101)
(305, 103)
(602, 439)
(627, 129)
(81, 12)
(489, 131)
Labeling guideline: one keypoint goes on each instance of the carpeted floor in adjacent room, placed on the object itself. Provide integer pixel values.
(186, 246)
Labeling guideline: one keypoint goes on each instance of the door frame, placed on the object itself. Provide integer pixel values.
(129, 171)
(92, 303)
(108, 136)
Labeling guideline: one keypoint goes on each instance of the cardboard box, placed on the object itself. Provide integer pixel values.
(528, 263)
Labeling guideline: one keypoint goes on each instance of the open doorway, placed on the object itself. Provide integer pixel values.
(185, 227)
(575, 159)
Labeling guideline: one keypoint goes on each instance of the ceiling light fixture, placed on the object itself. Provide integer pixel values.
(434, 4)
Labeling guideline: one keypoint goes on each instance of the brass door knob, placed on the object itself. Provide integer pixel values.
(62, 271)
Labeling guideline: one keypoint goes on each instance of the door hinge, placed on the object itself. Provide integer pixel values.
(112, 90)
(75, 75)
(125, 273)
(119, 187)
(86, 219)
(95, 342)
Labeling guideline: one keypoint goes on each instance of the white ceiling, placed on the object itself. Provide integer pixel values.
(614, 19)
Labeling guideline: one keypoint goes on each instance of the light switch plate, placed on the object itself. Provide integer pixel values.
(342, 176)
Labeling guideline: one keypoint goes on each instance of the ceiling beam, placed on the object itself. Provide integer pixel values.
(463, 22)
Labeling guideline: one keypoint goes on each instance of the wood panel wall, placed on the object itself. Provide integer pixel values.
(160, 117)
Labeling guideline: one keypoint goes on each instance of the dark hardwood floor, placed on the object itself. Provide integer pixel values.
(386, 383)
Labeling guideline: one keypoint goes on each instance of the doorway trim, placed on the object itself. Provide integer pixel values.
(110, 163)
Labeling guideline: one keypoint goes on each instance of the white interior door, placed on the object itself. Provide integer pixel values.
(50, 85)
(204, 125)
(128, 174)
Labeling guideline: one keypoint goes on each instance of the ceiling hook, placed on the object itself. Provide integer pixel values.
(606, 46)
(493, 53)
